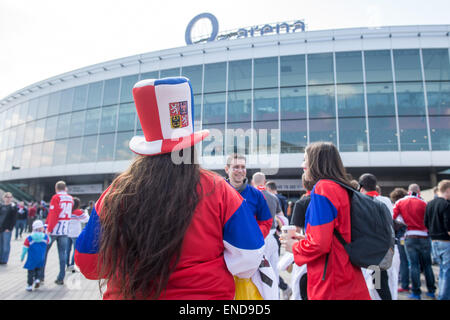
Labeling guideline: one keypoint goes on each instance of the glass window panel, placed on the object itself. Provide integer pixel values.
(4, 139)
(239, 106)
(213, 108)
(126, 89)
(321, 102)
(111, 92)
(62, 130)
(238, 138)
(175, 72)
(108, 122)
(322, 130)
(23, 113)
(92, 121)
(214, 144)
(320, 68)
(413, 133)
(80, 97)
(438, 96)
(95, 94)
(239, 75)
(292, 70)
(2, 120)
(36, 150)
(2, 161)
(440, 133)
(53, 105)
(60, 152)
(127, 114)
(74, 145)
(267, 137)
(407, 65)
(197, 108)
(410, 99)
(293, 136)
(43, 109)
(32, 109)
(66, 100)
(47, 153)
(29, 133)
(293, 103)
(378, 66)
(17, 157)
(352, 135)
(15, 115)
(265, 104)
(39, 130)
(9, 159)
(50, 128)
(106, 147)
(138, 125)
(20, 135)
(350, 100)
(11, 138)
(380, 99)
(436, 64)
(150, 75)
(383, 134)
(215, 77)
(194, 74)
(123, 151)
(349, 67)
(26, 157)
(77, 123)
(8, 117)
(89, 150)
(265, 72)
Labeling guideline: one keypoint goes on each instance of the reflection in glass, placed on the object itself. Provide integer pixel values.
(20, 135)
(239, 136)
(111, 92)
(349, 67)
(80, 97)
(150, 75)
(436, 64)
(23, 113)
(106, 147)
(322, 130)
(350, 100)
(77, 123)
(50, 128)
(12, 138)
(265, 104)
(126, 88)
(175, 72)
(32, 109)
(60, 152)
(440, 133)
(239, 106)
(108, 120)
(383, 134)
(74, 147)
(293, 136)
(127, 116)
(380, 99)
(17, 157)
(352, 135)
(320, 68)
(36, 150)
(29, 133)
(39, 129)
(413, 134)
(197, 109)
(407, 65)
(438, 95)
(62, 130)
(54, 100)
(267, 137)
(410, 99)
(239, 75)
(26, 157)
(47, 153)
(378, 66)
(321, 102)
(265, 73)
(123, 151)
(95, 94)
(42, 107)
(92, 121)
(292, 70)
(194, 74)
(89, 149)
(293, 103)
(214, 144)
(215, 77)
(213, 108)
(66, 100)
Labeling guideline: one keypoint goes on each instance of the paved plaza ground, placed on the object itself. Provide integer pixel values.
(13, 278)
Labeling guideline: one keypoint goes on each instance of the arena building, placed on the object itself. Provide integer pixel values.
(381, 95)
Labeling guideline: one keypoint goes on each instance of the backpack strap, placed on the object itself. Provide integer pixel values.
(339, 237)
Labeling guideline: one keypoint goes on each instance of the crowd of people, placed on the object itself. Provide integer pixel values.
(166, 229)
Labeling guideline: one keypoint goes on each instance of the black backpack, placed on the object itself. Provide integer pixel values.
(372, 232)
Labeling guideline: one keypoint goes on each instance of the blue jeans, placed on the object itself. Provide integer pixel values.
(442, 249)
(419, 250)
(404, 267)
(70, 245)
(62, 242)
(20, 226)
(5, 246)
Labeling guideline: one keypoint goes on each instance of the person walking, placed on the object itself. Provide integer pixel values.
(77, 217)
(32, 210)
(417, 242)
(58, 227)
(331, 275)
(8, 216)
(271, 186)
(21, 221)
(437, 221)
(169, 229)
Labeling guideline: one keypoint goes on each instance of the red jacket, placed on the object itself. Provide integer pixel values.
(59, 214)
(412, 209)
(329, 209)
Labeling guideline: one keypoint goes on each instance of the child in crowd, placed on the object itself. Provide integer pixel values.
(35, 245)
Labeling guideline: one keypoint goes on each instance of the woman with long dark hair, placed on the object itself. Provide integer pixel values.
(165, 228)
(331, 276)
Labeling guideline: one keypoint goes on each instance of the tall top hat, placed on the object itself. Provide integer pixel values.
(166, 111)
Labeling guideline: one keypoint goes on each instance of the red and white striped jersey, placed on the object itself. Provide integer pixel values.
(59, 214)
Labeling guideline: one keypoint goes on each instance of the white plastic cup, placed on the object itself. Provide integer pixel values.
(288, 232)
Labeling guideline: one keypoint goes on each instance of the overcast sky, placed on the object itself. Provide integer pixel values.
(43, 38)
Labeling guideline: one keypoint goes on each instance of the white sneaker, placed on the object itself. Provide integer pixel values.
(37, 283)
(29, 288)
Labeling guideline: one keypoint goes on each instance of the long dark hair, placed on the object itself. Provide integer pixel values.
(145, 216)
(324, 162)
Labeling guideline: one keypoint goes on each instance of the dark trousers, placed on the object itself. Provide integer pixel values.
(33, 275)
(384, 292)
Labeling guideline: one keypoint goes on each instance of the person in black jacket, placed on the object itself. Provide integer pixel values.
(21, 221)
(8, 212)
(437, 221)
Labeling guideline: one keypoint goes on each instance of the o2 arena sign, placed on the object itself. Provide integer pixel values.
(283, 27)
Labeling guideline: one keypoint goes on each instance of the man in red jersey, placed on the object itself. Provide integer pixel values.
(58, 219)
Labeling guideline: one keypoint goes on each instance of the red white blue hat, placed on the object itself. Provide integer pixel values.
(166, 111)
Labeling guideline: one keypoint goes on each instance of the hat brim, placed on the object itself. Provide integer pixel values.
(140, 146)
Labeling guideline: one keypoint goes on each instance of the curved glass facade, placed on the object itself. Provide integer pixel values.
(363, 101)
